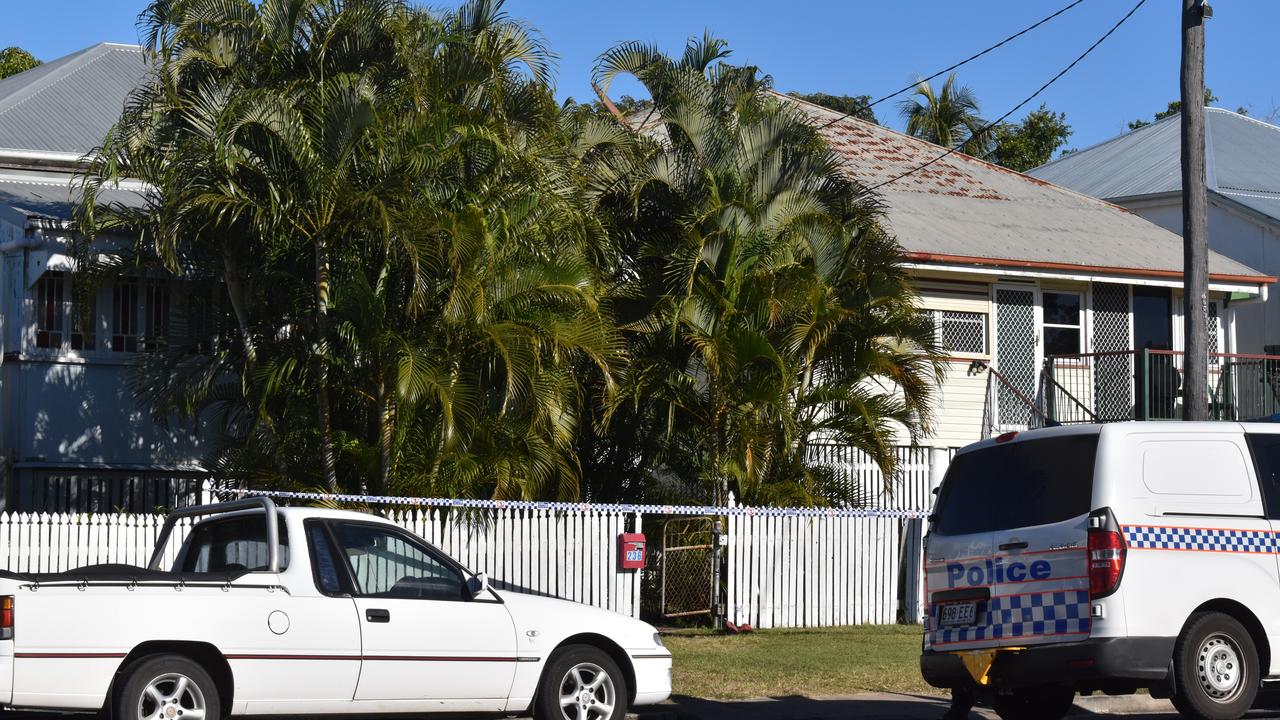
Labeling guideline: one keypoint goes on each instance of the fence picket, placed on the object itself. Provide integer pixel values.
(782, 570)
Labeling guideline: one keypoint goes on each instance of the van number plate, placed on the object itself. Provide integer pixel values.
(958, 614)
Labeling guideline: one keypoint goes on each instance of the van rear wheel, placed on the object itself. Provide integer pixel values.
(1215, 666)
(1035, 703)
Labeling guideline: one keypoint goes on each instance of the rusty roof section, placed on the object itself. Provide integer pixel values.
(964, 207)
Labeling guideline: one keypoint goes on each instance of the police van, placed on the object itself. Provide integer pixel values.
(1108, 558)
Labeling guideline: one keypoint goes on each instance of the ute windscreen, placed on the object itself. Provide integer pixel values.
(1021, 484)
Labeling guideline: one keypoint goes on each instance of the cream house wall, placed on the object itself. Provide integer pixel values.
(961, 395)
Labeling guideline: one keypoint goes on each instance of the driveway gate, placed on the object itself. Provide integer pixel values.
(688, 567)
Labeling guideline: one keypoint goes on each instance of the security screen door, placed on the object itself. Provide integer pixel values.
(1017, 354)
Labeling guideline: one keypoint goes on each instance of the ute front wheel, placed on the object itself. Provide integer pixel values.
(167, 687)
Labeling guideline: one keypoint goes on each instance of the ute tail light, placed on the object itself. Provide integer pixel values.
(1107, 553)
(6, 617)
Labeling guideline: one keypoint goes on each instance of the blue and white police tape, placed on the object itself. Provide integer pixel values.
(815, 512)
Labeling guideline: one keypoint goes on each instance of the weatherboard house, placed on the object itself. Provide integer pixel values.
(71, 435)
(1054, 306)
(1141, 171)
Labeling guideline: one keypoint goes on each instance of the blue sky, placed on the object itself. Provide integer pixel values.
(853, 46)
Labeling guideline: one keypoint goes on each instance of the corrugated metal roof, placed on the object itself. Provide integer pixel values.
(69, 104)
(1242, 162)
(54, 195)
(963, 207)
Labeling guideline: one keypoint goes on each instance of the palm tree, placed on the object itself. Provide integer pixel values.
(949, 117)
(774, 310)
(375, 186)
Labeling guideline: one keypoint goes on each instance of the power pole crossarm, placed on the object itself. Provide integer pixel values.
(1195, 219)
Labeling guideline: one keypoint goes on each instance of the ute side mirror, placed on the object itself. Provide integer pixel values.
(478, 585)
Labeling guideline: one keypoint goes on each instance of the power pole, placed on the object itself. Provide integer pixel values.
(1195, 219)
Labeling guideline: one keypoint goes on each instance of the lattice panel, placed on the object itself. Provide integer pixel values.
(1015, 354)
(1215, 334)
(962, 331)
(1113, 390)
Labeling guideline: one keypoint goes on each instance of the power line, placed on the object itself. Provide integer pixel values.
(966, 61)
(986, 128)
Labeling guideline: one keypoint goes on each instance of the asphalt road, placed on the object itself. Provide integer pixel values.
(882, 706)
(886, 706)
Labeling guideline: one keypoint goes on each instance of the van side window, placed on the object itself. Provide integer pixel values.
(1266, 458)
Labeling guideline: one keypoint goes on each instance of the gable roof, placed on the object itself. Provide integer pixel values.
(962, 210)
(68, 105)
(1242, 162)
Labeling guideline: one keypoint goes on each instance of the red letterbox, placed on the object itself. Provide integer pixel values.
(631, 551)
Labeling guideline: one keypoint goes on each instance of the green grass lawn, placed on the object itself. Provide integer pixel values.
(776, 663)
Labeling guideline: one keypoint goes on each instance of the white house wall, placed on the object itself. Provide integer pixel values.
(68, 415)
(1243, 237)
(961, 396)
(84, 414)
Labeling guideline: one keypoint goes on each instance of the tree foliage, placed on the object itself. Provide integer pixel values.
(423, 276)
(1174, 107)
(858, 106)
(1031, 143)
(14, 60)
(949, 116)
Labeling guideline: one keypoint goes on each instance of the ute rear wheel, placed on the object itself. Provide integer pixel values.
(581, 682)
(1215, 666)
(1035, 703)
(167, 687)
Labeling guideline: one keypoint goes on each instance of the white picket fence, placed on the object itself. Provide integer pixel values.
(781, 570)
(567, 555)
(786, 571)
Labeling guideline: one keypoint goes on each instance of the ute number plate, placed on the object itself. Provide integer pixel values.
(958, 614)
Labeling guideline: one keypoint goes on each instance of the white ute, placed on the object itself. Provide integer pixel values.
(303, 612)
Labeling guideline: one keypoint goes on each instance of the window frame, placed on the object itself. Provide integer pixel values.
(985, 318)
(1270, 494)
(346, 583)
(432, 551)
(285, 562)
(1045, 325)
(67, 320)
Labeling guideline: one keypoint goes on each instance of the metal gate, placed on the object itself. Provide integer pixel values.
(688, 567)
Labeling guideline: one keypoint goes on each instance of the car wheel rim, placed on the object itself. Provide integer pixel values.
(1219, 668)
(587, 693)
(171, 696)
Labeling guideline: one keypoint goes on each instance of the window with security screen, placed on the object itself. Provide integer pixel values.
(962, 332)
(50, 310)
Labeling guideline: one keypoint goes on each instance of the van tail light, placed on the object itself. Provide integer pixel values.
(1107, 553)
(6, 617)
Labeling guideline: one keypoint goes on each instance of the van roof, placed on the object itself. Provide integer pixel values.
(1126, 428)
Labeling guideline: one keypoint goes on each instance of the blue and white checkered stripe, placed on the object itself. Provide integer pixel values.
(1147, 537)
(1061, 612)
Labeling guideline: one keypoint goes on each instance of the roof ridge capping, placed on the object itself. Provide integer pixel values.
(65, 67)
(1242, 116)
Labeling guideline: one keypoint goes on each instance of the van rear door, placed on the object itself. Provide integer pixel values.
(1031, 497)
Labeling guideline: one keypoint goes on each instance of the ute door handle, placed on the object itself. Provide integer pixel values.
(377, 615)
(1020, 545)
